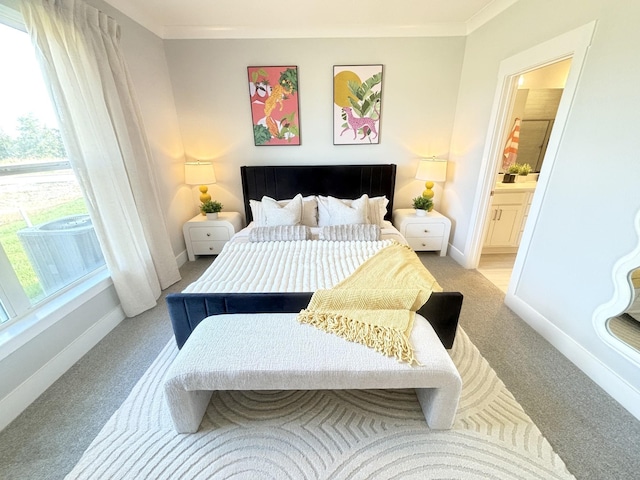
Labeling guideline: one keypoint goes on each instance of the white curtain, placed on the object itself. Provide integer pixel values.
(78, 48)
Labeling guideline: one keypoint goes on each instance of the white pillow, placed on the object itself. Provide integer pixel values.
(365, 232)
(275, 214)
(377, 210)
(332, 211)
(309, 211)
(280, 233)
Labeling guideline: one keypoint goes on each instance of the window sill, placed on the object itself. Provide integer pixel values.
(21, 330)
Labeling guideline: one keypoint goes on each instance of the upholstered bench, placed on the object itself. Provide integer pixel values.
(275, 352)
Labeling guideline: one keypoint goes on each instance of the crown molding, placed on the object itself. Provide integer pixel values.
(353, 31)
(185, 32)
(489, 12)
(138, 16)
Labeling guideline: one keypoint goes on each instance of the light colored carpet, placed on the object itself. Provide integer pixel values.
(369, 434)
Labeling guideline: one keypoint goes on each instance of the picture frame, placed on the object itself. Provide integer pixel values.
(357, 104)
(275, 112)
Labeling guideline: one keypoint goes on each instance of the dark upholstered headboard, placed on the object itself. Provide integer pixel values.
(340, 181)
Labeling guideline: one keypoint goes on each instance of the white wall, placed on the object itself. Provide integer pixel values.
(210, 84)
(587, 216)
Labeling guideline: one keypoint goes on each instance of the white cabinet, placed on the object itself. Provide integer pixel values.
(429, 232)
(207, 237)
(507, 217)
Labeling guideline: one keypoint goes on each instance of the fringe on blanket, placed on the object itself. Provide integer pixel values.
(386, 340)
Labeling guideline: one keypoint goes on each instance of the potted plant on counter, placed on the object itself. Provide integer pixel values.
(210, 208)
(422, 205)
(523, 171)
(511, 173)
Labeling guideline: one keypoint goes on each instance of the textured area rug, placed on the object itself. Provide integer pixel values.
(330, 434)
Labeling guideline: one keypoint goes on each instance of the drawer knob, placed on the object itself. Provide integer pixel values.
(211, 248)
(426, 231)
(208, 234)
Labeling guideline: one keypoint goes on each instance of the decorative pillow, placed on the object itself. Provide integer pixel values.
(275, 214)
(377, 210)
(279, 233)
(364, 231)
(332, 211)
(309, 211)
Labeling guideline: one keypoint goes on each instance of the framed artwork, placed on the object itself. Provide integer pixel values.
(357, 104)
(273, 92)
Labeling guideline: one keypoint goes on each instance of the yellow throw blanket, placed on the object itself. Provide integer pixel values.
(376, 304)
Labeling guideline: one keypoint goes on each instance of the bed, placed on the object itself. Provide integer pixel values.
(189, 308)
(247, 322)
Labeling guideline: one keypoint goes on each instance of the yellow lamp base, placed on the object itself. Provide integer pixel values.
(204, 196)
(428, 192)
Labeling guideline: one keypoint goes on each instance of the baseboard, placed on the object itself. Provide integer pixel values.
(618, 388)
(182, 258)
(458, 256)
(21, 397)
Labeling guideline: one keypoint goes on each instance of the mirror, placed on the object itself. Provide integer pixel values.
(626, 326)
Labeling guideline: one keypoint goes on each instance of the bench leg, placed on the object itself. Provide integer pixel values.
(439, 405)
(186, 407)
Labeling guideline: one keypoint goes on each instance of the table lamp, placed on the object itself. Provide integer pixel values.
(200, 173)
(431, 170)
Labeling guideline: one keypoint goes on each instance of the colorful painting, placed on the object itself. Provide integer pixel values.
(357, 103)
(274, 105)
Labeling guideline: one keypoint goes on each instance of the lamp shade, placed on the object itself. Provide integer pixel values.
(199, 173)
(432, 169)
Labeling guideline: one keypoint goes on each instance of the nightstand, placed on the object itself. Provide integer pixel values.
(429, 232)
(207, 237)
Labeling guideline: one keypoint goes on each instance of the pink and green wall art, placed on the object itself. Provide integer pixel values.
(357, 102)
(274, 105)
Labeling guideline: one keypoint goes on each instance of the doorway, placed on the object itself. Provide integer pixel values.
(532, 114)
(573, 44)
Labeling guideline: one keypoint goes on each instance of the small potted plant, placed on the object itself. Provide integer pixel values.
(523, 171)
(210, 208)
(422, 205)
(510, 174)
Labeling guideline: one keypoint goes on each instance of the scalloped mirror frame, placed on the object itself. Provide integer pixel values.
(620, 300)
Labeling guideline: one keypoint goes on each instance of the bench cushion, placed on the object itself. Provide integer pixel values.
(275, 352)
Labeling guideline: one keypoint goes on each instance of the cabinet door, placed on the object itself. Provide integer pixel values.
(505, 226)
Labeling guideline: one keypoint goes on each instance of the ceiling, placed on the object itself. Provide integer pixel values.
(175, 19)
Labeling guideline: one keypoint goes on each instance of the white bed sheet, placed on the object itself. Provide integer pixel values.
(387, 232)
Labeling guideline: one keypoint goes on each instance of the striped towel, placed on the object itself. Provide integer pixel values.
(511, 148)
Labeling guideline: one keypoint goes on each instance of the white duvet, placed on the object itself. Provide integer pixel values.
(298, 266)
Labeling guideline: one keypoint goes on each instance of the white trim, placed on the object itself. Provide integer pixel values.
(457, 255)
(10, 14)
(177, 32)
(492, 10)
(23, 329)
(181, 258)
(618, 388)
(571, 44)
(21, 397)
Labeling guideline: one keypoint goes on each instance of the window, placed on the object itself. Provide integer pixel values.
(47, 241)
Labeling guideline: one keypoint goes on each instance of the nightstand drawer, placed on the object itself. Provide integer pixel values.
(213, 247)
(199, 234)
(425, 230)
(425, 243)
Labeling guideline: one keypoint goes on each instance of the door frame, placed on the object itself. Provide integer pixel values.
(573, 44)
